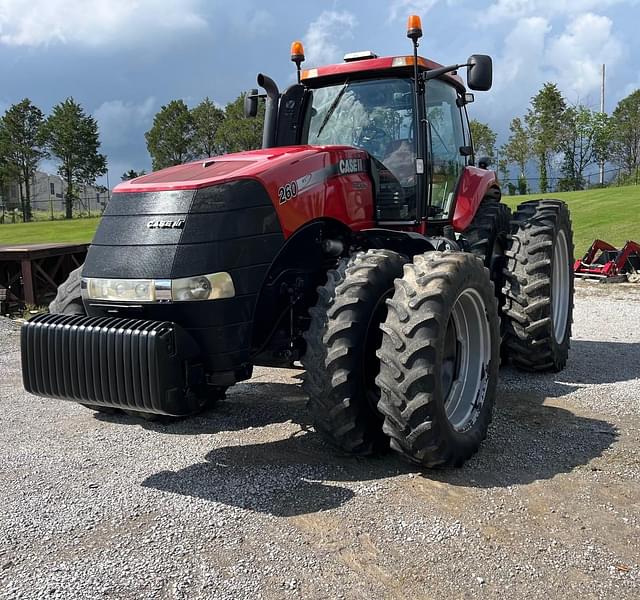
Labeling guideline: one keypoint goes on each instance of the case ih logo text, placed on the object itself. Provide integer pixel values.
(351, 165)
(162, 224)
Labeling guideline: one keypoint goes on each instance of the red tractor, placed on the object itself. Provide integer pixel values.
(365, 240)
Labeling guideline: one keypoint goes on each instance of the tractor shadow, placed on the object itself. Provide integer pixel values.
(255, 404)
(532, 438)
(593, 362)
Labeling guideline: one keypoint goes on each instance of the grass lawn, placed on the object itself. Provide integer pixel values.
(611, 214)
(75, 230)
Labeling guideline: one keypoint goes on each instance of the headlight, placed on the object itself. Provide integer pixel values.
(198, 287)
(130, 290)
(203, 287)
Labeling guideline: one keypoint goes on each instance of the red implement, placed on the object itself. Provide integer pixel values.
(603, 260)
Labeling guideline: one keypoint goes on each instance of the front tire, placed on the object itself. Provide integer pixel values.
(342, 340)
(68, 300)
(539, 286)
(439, 359)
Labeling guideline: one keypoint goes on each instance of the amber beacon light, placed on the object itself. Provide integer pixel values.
(297, 55)
(414, 27)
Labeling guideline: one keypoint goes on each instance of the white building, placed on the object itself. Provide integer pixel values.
(47, 195)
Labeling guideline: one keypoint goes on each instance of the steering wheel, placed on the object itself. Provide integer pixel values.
(374, 139)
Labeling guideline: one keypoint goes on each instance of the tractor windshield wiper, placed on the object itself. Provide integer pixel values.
(333, 107)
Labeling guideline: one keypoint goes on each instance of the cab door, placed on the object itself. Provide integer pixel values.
(446, 137)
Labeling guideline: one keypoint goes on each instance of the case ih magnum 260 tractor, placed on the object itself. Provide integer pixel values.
(365, 240)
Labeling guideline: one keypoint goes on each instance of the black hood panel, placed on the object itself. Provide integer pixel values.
(222, 228)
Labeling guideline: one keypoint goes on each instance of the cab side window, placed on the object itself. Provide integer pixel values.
(447, 136)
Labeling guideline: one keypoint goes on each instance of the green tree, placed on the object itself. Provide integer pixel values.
(6, 175)
(625, 133)
(503, 166)
(170, 139)
(7, 171)
(484, 139)
(72, 138)
(585, 137)
(518, 150)
(237, 132)
(22, 133)
(207, 118)
(131, 174)
(544, 120)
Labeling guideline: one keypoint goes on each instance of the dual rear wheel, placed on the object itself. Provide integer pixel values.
(405, 354)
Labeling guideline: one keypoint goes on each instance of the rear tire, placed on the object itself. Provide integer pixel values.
(342, 340)
(539, 286)
(488, 238)
(439, 359)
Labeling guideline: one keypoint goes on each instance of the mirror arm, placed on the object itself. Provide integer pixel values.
(433, 73)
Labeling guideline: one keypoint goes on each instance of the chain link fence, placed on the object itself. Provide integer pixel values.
(614, 177)
(53, 209)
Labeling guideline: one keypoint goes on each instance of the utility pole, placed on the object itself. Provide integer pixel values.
(602, 111)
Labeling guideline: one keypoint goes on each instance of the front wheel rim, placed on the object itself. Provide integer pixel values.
(465, 366)
(560, 287)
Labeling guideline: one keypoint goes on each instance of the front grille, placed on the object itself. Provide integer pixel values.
(122, 363)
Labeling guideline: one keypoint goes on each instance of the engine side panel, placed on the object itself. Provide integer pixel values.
(333, 183)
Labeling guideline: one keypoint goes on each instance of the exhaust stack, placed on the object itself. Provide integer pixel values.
(271, 110)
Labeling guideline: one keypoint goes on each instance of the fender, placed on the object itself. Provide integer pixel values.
(474, 185)
(409, 243)
(297, 270)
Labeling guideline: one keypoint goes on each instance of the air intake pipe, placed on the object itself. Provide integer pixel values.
(271, 110)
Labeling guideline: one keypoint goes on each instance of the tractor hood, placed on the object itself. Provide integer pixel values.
(300, 183)
(220, 169)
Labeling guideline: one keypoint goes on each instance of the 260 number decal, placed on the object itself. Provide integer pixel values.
(286, 192)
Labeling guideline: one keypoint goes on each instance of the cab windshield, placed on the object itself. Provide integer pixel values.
(377, 116)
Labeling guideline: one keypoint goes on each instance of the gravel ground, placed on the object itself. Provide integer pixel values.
(247, 502)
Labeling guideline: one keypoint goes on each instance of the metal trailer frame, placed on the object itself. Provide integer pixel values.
(604, 261)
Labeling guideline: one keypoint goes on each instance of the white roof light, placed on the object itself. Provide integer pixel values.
(362, 55)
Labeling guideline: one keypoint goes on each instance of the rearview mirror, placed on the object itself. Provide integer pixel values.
(251, 103)
(480, 72)
(484, 162)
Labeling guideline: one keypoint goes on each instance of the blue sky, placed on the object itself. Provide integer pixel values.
(123, 59)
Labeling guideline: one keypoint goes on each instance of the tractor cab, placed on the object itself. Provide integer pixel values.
(408, 113)
(378, 114)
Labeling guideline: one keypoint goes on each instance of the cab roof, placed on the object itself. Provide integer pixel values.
(368, 66)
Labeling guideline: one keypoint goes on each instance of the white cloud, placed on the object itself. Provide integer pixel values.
(523, 43)
(629, 89)
(260, 22)
(401, 9)
(324, 37)
(517, 72)
(577, 54)
(117, 120)
(93, 22)
(517, 9)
